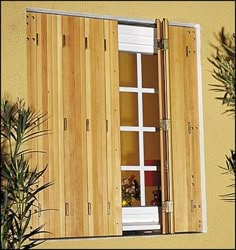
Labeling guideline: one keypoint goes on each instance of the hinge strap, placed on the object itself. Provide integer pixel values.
(168, 206)
(165, 124)
(162, 44)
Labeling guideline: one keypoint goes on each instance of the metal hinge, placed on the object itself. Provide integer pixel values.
(162, 44)
(168, 206)
(165, 124)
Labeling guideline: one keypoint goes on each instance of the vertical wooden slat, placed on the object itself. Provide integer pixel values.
(42, 107)
(74, 103)
(165, 114)
(96, 136)
(184, 127)
(32, 92)
(164, 219)
(168, 112)
(193, 117)
(113, 129)
(180, 151)
(54, 198)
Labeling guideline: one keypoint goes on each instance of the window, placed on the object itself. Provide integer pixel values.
(123, 101)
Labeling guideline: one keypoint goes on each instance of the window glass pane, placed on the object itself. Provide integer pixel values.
(128, 109)
(151, 110)
(127, 69)
(130, 185)
(149, 71)
(129, 148)
(152, 188)
(151, 146)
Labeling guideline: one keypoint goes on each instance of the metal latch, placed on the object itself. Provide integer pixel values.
(168, 206)
(165, 124)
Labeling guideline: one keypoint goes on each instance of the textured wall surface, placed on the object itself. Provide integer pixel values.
(218, 128)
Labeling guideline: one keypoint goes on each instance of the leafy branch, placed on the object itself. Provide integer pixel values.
(224, 72)
(20, 182)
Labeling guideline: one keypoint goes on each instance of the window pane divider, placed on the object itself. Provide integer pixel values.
(136, 128)
(138, 168)
(137, 90)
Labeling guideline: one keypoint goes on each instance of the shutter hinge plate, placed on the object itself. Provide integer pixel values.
(165, 124)
(162, 44)
(168, 206)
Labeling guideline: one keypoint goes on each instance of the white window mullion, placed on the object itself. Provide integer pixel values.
(140, 120)
(135, 128)
(135, 90)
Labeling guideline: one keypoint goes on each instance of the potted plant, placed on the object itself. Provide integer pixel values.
(18, 179)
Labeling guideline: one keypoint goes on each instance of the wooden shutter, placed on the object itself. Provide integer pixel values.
(74, 119)
(102, 106)
(32, 87)
(44, 95)
(180, 148)
(96, 135)
(184, 130)
(165, 135)
(113, 128)
(73, 76)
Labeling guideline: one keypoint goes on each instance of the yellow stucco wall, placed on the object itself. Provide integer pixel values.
(218, 128)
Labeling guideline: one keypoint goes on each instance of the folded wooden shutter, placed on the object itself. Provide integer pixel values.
(184, 130)
(180, 148)
(165, 135)
(73, 76)
(44, 95)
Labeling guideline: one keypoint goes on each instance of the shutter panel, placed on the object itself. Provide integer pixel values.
(96, 136)
(113, 129)
(42, 106)
(184, 130)
(32, 87)
(78, 88)
(45, 95)
(74, 109)
(165, 135)
(50, 50)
